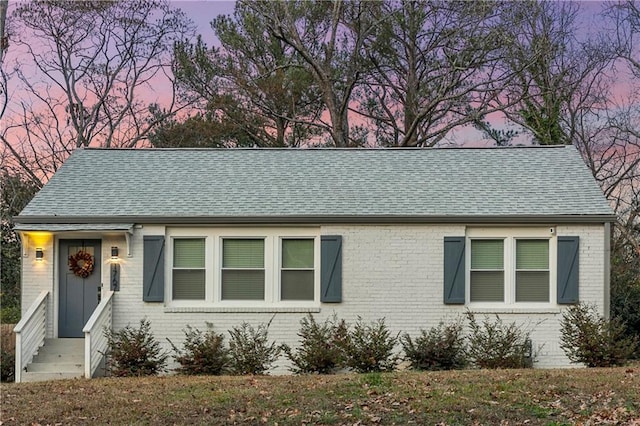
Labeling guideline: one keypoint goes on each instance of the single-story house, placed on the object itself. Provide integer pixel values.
(195, 236)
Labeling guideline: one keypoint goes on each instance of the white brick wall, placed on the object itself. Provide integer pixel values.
(38, 276)
(389, 271)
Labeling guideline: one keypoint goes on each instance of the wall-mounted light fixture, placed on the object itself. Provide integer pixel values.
(115, 270)
(39, 254)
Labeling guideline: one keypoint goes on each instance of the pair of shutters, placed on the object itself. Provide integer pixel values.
(330, 268)
(455, 274)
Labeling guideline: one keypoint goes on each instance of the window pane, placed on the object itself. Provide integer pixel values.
(532, 286)
(188, 253)
(487, 286)
(487, 254)
(242, 285)
(532, 254)
(297, 253)
(188, 284)
(242, 253)
(296, 285)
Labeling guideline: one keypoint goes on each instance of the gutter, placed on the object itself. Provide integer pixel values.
(317, 219)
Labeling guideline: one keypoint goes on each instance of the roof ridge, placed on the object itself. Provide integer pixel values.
(462, 148)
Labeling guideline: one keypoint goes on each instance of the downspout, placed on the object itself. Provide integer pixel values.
(24, 250)
(607, 270)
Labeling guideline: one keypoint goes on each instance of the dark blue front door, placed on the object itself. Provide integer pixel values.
(78, 295)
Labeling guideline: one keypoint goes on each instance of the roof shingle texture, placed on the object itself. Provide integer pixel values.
(320, 182)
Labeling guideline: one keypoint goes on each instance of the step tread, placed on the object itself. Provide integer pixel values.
(45, 376)
(44, 356)
(64, 343)
(53, 367)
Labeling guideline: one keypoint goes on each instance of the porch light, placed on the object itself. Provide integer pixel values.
(39, 254)
(115, 270)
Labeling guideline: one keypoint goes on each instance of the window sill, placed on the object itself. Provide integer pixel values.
(230, 309)
(514, 310)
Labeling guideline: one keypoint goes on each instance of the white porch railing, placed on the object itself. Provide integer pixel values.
(95, 342)
(30, 333)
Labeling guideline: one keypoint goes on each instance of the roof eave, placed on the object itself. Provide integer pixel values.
(321, 219)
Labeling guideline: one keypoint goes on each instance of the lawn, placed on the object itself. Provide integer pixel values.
(588, 396)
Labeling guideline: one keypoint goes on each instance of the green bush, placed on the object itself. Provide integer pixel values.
(250, 350)
(319, 350)
(10, 314)
(590, 339)
(201, 353)
(134, 352)
(440, 348)
(369, 347)
(7, 353)
(494, 344)
(625, 290)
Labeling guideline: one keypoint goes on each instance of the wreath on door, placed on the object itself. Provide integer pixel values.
(81, 264)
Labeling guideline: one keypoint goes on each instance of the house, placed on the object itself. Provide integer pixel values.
(189, 237)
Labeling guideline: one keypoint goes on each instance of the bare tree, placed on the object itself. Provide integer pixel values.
(4, 44)
(617, 160)
(432, 69)
(328, 36)
(626, 16)
(96, 65)
(558, 78)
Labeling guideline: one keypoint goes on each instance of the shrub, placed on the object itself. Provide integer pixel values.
(589, 338)
(10, 314)
(440, 348)
(7, 353)
(494, 344)
(319, 350)
(369, 347)
(625, 290)
(134, 352)
(201, 353)
(250, 350)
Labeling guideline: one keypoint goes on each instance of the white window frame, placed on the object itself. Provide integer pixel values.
(272, 265)
(510, 236)
(316, 263)
(206, 273)
(221, 268)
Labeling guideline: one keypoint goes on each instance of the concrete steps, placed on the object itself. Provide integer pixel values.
(57, 359)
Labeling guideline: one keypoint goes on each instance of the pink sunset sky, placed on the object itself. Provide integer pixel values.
(204, 11)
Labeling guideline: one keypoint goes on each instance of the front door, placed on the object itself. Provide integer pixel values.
(79, 285)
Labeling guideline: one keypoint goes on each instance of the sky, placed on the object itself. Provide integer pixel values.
(204, 11)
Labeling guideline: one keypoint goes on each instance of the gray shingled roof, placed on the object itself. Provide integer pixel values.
(318, 184)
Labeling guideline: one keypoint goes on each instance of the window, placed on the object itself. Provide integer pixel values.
(532, 270)
(189, 268)
(296, 275)
(242, 269)
(487, 270)
(515, 267)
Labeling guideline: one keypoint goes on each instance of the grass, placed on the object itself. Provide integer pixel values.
(535, 397)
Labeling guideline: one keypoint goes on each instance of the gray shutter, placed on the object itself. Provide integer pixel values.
(454, 274)
(331, 268)
(153, 269)
(568, 261)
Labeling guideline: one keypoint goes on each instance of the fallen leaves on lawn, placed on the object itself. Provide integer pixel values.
(580, 396)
